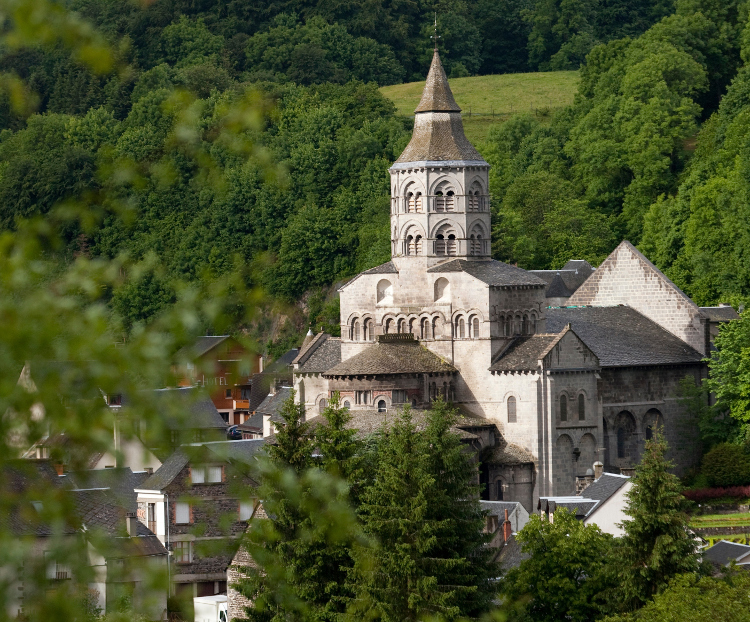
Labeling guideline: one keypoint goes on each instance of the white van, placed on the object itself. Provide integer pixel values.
(210, 608)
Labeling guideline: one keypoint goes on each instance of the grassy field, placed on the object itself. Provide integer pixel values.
(488, 100)
(741, 519)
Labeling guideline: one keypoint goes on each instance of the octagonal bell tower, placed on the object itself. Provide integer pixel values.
(440, 205)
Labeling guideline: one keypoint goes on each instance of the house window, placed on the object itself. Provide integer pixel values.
(213, 474)
(581, 407)
(347, 404)
(362, 397)
(198, 475)
(381, 406)
(151, 516)
(563, 408)
(246, 509)
(182, 513)
(511, 409)
(182, 552)
(55, 570)
(229, 393)
(398, 397)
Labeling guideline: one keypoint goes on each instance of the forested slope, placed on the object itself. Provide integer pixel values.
(620, 162)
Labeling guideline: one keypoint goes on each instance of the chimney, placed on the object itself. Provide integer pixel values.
(598, 469)
(506, 528)
(131, 524)
(149, 470)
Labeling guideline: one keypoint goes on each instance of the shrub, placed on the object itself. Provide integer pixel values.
(706, 494)
(726, 465)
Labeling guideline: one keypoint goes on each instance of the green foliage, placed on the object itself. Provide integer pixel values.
(726, 465)
(421, 507)
(567, 573)
(692, 599)
(657, 545)
(729, 369)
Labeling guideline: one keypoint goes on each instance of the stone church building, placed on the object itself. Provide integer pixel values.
(551, 370)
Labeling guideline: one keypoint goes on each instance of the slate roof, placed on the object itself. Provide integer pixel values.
(273, 403)
(386, 268)
(579, 264)
(322, 353)
(245, 451)
(438, 130)
(392, 355)
(510, 556)
(621, 337)
(720, 314)
(281, 364)
(524, 353)
(165, 474)
(186, 408)
(607, 485)
(723, 553)
(563, 283)
(497, 508)
(253, 424)
(99, 509)
(493, 273)
(201, 346)
(122, 483)
(367, 422)
(509, 453)
(592, 498)
(557, 288)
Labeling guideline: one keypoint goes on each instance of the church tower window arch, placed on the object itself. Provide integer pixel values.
(435, 327)
(384, 292)
(445, 197)
(424, 328)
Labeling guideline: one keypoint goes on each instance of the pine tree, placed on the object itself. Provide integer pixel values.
(657, 545)
(423, 509)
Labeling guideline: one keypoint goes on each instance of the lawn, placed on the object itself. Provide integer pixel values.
(488, 100)
(741, 519)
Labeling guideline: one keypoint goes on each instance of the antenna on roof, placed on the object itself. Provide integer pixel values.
(436, 36)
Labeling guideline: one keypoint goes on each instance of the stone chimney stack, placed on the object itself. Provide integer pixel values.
(131, 524)
(598, 469)
(507, 531)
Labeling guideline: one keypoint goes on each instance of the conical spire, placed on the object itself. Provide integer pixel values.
(437, 95)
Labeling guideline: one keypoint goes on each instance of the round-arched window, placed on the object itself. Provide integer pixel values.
(347, 404)
(511, 409)
(475, 328)
(385, 291)
(442, 289)
(322, 404)
(581, 407)
(381, 406)
(563, 407)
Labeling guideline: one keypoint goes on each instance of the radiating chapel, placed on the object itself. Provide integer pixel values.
(551, 370)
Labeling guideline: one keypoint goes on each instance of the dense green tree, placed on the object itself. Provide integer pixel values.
(657, 545)
(567, 573)
(422, 507)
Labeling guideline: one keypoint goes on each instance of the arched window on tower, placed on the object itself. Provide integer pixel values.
(401, 326)
(525, 326)
(475, 327)
(409, 245)
(388, 326)
(354, 330)
(460, 328)
(418, 245)
(563, 407)
(435, 328)
(444, 198)
(532, 323)
(581, 407)
(411, 326)
(511, 409)
(367, 330)
(473, 199)
(508, 326)
(424, 328)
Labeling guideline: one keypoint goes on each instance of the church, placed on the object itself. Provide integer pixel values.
(551, 370)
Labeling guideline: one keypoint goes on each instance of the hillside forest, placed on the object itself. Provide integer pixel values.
(655, 148)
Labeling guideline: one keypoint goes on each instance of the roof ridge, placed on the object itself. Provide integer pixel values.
(307, 350)
(437, 95)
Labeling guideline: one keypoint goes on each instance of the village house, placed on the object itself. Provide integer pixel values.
(198, 504)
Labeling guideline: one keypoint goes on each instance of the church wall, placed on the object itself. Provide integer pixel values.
(634, 399)
(627, 277)
(310, 388)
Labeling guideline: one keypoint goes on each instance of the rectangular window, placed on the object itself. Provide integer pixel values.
(246, 509)
(214, 474)
(229, 393)
(55, 570)
(182, 513)
(151, 517)
(198, 475)
(182, 552)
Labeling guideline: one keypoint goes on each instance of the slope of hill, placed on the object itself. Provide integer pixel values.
(486, 100)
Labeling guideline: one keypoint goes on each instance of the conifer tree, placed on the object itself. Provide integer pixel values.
(657, 545)
(423, 508)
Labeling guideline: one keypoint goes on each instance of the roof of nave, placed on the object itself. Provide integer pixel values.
(387, 268)
(441, 137)
(322, 353)
(391, 355)
(494, 273)
(524, 353)
(622, 337)
(723, 313)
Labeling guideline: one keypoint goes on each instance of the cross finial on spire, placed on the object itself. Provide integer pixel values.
(436, 36)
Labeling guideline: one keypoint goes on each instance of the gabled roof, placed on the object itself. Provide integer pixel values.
(506, 453)
(386, 268)
(592, 498)
(273, 403)
(165, 474)
(578, 264)
(121, 482)
(607, 485)
(322, 353)
(281, 364)
(524, 353)
(253, 424)
(437, 95)
(723, 313)
(497, 508)
(724, 553)
(201, 346)
(186, 408)
(245, 451)
(557, 288)
(493, 273)
(622, 337)
(392, 355)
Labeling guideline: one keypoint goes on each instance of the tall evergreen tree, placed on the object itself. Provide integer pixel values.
(657, 545)
(423, 508)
